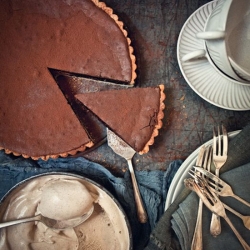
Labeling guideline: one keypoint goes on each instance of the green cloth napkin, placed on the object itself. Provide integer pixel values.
(184, 219)
(163, 236)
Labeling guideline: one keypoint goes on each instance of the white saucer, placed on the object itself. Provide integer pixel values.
(203, 77)
(177, 183)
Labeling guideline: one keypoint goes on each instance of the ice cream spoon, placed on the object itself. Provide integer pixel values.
(51, 223)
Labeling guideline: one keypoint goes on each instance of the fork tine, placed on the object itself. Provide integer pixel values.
(198, 178)
(203, 197)
(210, 152)
(219, 141)
(200, 156)
(194, 174)
(204, 165)
(214, 142)
(208, 180)
(192, 185)
(209, 175)
(211, 195)
(214, 186)
(208, 159)
(191, 173)
(207, 195)
(225, 140)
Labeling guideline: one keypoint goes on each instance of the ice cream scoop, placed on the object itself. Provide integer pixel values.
(64, 199)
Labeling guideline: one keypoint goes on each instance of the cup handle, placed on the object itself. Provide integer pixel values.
(201, 53)
(210, 35)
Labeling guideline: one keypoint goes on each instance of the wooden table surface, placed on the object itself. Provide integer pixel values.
(154, 27)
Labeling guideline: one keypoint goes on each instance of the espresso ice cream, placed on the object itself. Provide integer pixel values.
(61, 196)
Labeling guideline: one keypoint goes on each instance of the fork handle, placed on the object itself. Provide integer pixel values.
(241, 200)
(241, 240)
(215, 225)
(141, 212)
(197, 237)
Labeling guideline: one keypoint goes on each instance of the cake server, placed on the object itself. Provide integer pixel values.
(121, 148)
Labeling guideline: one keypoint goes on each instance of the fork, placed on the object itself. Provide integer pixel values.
(245, 218)
(223, 188)
(204, 160)
(211, 200)
(219, 159)
(203, 183)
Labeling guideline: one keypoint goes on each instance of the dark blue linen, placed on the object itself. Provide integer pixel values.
(153, 186)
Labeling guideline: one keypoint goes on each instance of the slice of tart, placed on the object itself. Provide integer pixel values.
(82, 37)
(134, 114)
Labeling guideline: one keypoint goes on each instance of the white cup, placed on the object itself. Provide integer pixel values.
(244, 74)
(222, 20)
(239, 41)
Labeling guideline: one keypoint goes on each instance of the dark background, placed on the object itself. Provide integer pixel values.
(153, 27)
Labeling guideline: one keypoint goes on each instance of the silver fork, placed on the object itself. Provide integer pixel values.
(221, 187)
(203, 160)
(201, 181)
(211, 200)
(220, 148)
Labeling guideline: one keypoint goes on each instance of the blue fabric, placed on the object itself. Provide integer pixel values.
(153, 186)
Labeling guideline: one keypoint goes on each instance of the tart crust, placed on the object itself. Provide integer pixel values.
(109, 11)
(158, 124)
(52, 156)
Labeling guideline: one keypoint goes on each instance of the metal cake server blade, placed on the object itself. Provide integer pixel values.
(121, 148)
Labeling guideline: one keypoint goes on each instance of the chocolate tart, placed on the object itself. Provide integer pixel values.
(82, 37)
(134, 114)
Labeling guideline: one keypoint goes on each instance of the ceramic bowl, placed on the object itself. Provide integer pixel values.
(107, 227)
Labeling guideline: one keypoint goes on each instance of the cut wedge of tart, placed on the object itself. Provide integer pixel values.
(82, 37)
(134, 114)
